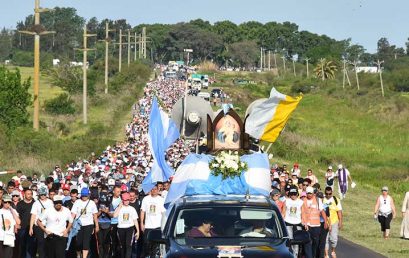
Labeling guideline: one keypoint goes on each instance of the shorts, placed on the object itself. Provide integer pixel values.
(84, 237)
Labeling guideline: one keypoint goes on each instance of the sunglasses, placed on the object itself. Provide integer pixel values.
(15, 196)
(7, 202)
(328, 193)
(305, 184)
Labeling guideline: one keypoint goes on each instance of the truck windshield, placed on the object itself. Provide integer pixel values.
(227, 222)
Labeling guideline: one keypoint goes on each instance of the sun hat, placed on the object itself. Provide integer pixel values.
(385, 188)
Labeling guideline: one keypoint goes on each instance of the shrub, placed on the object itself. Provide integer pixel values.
(61, 105)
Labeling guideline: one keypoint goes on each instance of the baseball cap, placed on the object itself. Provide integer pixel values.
(57, 199)
(303, 194)
(293, 190)
(15, 192)
(6, 198)
(84, 192)
(385, 188)
(42, 190)
(329, 167)
(274, 192)
(124, 188)
(65, 187)
(310, 189)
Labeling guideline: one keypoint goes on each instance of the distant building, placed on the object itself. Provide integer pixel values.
(367, 69)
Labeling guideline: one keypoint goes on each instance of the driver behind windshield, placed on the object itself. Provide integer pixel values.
(205, 229)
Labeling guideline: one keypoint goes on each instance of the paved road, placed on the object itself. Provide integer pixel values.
(348, 249)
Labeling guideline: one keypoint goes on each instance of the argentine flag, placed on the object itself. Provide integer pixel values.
(161, 134)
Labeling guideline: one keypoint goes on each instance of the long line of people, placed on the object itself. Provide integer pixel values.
(101, 195)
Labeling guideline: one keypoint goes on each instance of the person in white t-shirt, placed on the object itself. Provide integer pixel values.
(54, 223)
(86, 211)
(292, 215)
(128, 228)
(152, 211)
(9, 219)
(38, 209)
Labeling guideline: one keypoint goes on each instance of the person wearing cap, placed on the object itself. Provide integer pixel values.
(128, 228)
(385, 211)
(335, 217)
(344, 177)
(311, 213)
(27, 242)
(56, 222)
(275, 196)
(104, 221)
(329, 177)
(9, 219)
(15, 198)
(72, 200)
(39, 207)
(86, 212)
(296, 170)
(66, 192)
(292, 215)
(116, 200)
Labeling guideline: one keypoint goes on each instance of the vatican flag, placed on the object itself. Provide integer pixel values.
(268, 118)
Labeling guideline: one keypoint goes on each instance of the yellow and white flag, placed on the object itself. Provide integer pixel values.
(268, 118)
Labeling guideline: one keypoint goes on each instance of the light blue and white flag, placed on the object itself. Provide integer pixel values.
(194, 177)
(161, 134)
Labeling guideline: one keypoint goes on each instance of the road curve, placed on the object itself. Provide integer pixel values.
(348, 249)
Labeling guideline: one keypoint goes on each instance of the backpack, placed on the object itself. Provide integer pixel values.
(327, 207)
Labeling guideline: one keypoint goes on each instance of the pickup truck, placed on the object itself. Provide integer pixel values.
(238, 225)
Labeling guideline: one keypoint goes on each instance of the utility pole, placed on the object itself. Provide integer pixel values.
(135, 43)
(261, 59)
(380, 75)
(345, 71)
(308, 72)
(355, 63)
(85, 50)
(129, 47)
(322, 61)
(295, 75)
(275, 62)
(188, 51)
(106, 40)
(120, 51)
(144, 42)
(283, 57)
(269, 60)
(37, 31)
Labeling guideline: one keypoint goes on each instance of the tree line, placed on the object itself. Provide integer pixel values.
(224, 42)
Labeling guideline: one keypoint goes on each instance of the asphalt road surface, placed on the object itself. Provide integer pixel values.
(348, 249)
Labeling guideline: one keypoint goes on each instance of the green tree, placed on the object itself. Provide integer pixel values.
(14, 98)
(244, 54)
(6, 38)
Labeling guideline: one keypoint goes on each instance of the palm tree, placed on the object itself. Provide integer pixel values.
(325, 69)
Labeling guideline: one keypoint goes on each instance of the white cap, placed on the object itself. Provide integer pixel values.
(57, 198)
(309, 189)
(340, 166)
(329, 167)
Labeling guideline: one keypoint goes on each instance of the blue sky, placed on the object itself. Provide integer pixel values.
(365, 21)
